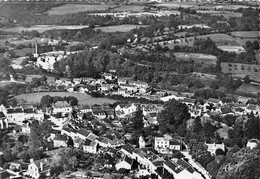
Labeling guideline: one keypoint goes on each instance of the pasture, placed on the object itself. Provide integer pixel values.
(226, 14)
(83, 99)
(130, 8)
(119, 28)
(196, 57)
(43, 28)
(75, 8)
(219, 39)
(246, 34)
(236, 49)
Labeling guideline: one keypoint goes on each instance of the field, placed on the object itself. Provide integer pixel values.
(4, 83)
(196, 57)
(175, 5)
(236, 49)
(75, 8)
(246, 34)
(119, 28)
(129, 8)
(43, 28)
(34, 98)
(29, 78)
(249, 88)
(226, 14)
(219, 39)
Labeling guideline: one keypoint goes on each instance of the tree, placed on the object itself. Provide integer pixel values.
(46, 101)
(208, 129)
(197, 128)
(246, 79)
(173, 116)
(252, 128)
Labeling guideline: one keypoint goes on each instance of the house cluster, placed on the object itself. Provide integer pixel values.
(152, 163)
(19, 116)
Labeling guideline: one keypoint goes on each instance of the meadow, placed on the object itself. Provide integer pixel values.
(196, 57)
(75, 8)
(226, 14)
(83, 99)
(129, 8)
(43, 28)
(246, 34)
(219, 39)
(119, 28)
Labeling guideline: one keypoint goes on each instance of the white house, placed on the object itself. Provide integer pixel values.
(39, 168)
(60, 140)
(213, 147)
(62, 107)
(126, 163)
(181, 169)
(166, 144)
(252, 143)
(90, 146)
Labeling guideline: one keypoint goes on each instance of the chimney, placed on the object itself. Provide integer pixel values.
(31, 160)
(41, 166)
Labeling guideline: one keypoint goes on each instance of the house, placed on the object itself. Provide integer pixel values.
(38, 168)
(60, 140)
(127, 149)
(130, 88)
(15, 115)
(99, 114)
(78, 142)
(84, 109)
(213, 147)
(126, 109)
(121, 81)
(252, 143)
(90, 146)
(166, 144)
(147, 158)
(3, 121)
(83, 133)
(214, 101)
(181, 169)
(15, 166)
(62, 107)
(126, 163)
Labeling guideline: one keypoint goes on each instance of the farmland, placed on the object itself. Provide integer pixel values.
(219, 39)
(226, 14)
(129, 8)
(34, 98)
(119, 28)
(196, 57)
(246, 34)
(236, 49)
(42, 28)
(75, 8)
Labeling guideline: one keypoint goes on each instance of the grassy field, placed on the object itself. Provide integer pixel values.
(219, 39)
(129, 8)
(43, 28)
(29, 78)
(4, 83)
(246, 34)
(226, 14)
(236, 49)
(34, 98)
(119, 28)
(75, 8)
(175, 5)
(196, 57)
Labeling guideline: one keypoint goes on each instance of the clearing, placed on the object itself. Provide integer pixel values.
(246, 34)
(219, 39)
(75, 8)
(130, 8)
(83, 99)
(43, 28)
(119, 28)
(226, 14)
(196, 57)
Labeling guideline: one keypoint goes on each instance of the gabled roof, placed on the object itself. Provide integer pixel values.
(84, 132)
(185, 165)
(14, 110)
(128, 160)
(2, 115)
(173, 166)
(128, 147)
(61, 104)
(225, 110)
(252, 107)
(29, 110)
(174, 142)
(213, 100)
(60, 137)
